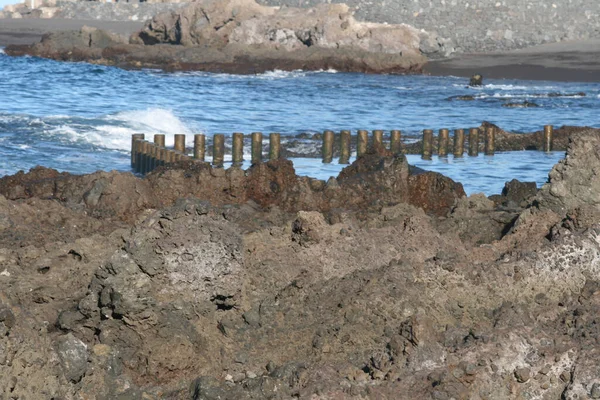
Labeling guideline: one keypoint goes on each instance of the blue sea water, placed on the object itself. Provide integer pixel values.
(79, 117)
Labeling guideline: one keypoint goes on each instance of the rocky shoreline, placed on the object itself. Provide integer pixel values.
(240, 36)
(202, 283)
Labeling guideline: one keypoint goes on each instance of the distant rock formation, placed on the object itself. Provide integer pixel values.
(243, 36)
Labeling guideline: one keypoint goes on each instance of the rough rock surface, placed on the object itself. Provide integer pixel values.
(148, 289)
(245, 37)
(573, 182)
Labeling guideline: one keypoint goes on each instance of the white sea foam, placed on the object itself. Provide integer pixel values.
(2, 50)
(115, 133)
(279, 74)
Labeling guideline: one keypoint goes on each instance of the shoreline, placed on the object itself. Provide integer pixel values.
(574, 61)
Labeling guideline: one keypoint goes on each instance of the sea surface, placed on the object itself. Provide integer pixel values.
(79, 118)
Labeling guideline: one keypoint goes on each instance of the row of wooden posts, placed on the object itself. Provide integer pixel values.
(146, 155)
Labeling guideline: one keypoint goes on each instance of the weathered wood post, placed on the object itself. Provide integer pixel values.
(548, 137)
(274, 146)
(378, 140)
(159, 140)
(159, 143)
(396, 142)
(459, 142)
(134, 138)
(139, 155)
(151, 160)
(171, 156)
(345, 137)
(218, 150)
(199, 146)
(256, 148)
(362, 143)
(490, 141)
(161, 156)
(427, 144)
(473, 142)
(179, 143)
(237, 149)
(443, 140)
(145, 161)
(327, 149)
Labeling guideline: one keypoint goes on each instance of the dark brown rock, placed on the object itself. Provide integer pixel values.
(434, 192)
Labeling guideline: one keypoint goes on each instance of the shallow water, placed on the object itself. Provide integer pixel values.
(79, 117)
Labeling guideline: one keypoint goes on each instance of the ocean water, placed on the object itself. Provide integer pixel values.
(79, 117)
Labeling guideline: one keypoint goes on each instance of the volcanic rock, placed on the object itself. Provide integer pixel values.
(244, 37)
(294, 289)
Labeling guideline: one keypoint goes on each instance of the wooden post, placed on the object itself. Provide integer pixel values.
(474, 142)
(256, 149)
(237, 149)
(363, 143)
(327, 149)
(218, 150)
(274, 146)
(145, 162)
(490, 141)
(427, 144)
(170, 156)
(345, 137)
(180, 143)
(135, 137)
(139, 155)
(151, 162)
(161, 156)
(548, 137)
(378, 140)
(159, 140)
(199, 146)
(396, 142)
(443, 140)
(459, 142)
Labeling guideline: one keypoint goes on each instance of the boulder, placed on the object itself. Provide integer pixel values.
(73, 355)
(574, 182)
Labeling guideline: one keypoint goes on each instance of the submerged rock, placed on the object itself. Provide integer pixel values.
(524, 104)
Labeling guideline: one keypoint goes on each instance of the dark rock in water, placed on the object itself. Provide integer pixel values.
(558, 94)
(525, 104)
(463, 98)
(476, 80)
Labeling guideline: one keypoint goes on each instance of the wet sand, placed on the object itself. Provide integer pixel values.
(565, 61)
(28, 31)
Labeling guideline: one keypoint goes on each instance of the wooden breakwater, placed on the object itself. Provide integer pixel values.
(147, 156)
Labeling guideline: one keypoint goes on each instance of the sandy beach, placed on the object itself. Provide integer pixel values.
(565, 61)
